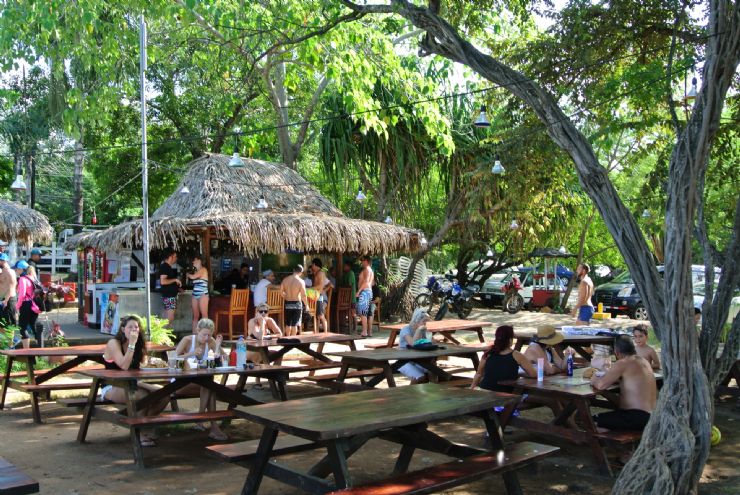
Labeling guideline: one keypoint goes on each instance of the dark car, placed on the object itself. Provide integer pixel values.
(620, 297)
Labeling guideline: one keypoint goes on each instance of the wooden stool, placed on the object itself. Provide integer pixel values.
(344, 306)
(238, 305)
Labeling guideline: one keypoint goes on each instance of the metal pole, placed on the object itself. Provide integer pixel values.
(144, 173)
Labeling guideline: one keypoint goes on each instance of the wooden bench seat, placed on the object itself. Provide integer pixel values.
(457, 382)
(13, 481)
(246, 451)
(177, 418)
(24, 374)
(82, 402)
(620, 437)
(351, 374)
(456, 473)
(48, 387)
(383, 345)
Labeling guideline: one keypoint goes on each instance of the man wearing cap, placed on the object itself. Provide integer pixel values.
(542, 345)
(3, 246)
(34, 259)
(293, 289)
(8, 286)
(260, 291)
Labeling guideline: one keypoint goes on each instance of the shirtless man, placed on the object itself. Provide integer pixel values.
(8, 286)
(584, 308)
(365, 295)
(293, 289)
(322, 284)
(637, 390)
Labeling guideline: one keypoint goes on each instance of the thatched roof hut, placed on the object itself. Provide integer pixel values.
(222, 202)
(23, 224)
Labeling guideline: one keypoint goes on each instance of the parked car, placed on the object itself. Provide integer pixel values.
(620, 295)
(563, 272)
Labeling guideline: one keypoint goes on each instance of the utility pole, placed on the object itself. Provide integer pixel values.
(145, 174)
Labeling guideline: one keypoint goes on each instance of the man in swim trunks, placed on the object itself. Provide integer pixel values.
(293, 289)
(584, 308)
(322, 284)
(365, 295)
(170, 284)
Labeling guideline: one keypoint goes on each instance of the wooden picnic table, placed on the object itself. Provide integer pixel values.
(577, 342)
(577, 395)
(445, 328)
(344, 423)
(35, 383)
(391, 360)
(725, 387)
(302, 343)
(129, 379)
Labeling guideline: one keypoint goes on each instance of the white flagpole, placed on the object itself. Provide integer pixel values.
(144, 173)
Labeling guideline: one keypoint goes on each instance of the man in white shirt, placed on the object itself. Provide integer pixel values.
(260, 291)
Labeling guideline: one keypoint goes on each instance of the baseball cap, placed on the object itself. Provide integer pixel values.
(4, 257)
(267, 273)
(21, 265)
(3, 243)
(35, 251)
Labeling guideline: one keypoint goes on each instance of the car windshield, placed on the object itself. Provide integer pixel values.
(622, 278)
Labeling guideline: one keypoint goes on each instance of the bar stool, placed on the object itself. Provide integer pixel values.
(276, 306)
(312, 312)
(238, 305)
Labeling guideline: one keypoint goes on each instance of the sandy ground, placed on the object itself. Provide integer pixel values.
(180, 465)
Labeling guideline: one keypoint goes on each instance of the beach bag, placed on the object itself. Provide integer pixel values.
(41, 296)
(425, 345)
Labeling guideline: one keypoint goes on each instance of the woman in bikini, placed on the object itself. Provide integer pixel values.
(201, 346)
(261, 327)
(126, 351)
(200, 290)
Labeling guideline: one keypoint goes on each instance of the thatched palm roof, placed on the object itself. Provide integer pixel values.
(223, 199)
(23, 223)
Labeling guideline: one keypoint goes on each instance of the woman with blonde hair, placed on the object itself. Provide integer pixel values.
(199, 277)
(201, 345)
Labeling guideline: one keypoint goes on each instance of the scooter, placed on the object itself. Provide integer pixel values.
(513, 301)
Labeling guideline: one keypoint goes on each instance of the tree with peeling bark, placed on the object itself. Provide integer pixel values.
(675, 444)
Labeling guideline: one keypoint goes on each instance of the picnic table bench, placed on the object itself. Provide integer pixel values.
(303, 343)
(176, 380)
(342, 424)
(389, 361)
(577, 395)
(733, 374)
(445, 328)
(13, 481)
(579, 343)
(37, 382)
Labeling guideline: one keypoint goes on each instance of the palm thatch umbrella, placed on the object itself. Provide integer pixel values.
(222, 204)
(23, 224)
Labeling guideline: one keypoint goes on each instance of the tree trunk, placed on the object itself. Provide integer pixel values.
(77, 177)
(675, 444)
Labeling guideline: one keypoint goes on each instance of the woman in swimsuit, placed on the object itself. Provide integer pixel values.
(261, 327)
(200, 290)
(200, 346)
(126, 351)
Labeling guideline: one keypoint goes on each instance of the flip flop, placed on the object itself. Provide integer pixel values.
(199, 427)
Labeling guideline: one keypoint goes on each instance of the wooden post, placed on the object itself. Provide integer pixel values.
(207, 256)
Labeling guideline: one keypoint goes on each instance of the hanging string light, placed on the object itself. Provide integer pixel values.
(692, 92)
(513, 225)
(489, 253)
(562, 250)
(261, 204)
(94, 218)
(184, 190)
(18, 184)
(236, 160)
(497, 168)
(482, 119)
(360, 195)
(388, 220)
(646, 213)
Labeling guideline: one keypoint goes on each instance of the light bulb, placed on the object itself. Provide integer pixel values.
(184, 190)
(388, 220)
(236, 161)
(497, 168)
(18, 184)
(513, 225)
(482, 119)
(360, 196)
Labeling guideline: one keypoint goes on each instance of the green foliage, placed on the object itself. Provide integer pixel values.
(160, 333)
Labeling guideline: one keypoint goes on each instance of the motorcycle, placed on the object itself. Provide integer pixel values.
(450, 296)
(513, 301)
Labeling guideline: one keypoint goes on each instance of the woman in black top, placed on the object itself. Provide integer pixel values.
(501, 362)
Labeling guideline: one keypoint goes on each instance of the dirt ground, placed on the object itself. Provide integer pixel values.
(179, 463)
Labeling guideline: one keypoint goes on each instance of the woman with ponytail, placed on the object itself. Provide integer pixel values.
(501, 363)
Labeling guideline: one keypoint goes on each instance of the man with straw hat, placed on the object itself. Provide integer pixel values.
(542, 346)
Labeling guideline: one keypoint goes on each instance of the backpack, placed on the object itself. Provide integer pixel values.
(41, 296)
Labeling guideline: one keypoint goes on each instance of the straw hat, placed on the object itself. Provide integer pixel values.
(546, 334)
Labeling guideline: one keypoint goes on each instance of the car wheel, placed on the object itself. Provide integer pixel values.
(564, 281)
(639, 313)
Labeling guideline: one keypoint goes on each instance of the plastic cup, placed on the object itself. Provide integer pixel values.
(172, 364)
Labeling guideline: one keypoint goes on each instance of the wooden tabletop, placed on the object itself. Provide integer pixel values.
(569, 339)
(340, 416)
(445, 325)
(396, 353)
(165, 373)
(310, 338)
(562, 384)
(75, 350)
